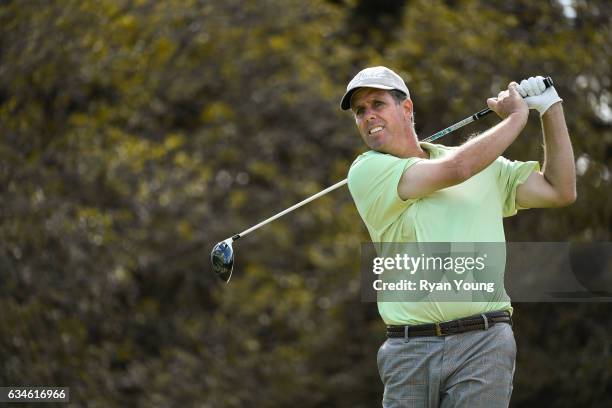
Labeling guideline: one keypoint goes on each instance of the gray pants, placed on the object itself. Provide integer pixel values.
(472, 369)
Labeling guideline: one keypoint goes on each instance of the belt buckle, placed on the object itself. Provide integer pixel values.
(486, 321)
(438, 329)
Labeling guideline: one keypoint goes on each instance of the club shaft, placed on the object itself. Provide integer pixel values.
(293, 207)
(458, 125)
(478, 115)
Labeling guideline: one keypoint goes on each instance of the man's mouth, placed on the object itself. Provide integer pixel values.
(375, 130)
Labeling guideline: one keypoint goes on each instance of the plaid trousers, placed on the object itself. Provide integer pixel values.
(472, 369)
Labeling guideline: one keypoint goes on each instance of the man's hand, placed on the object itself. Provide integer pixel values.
(537, 95)
(509, 102)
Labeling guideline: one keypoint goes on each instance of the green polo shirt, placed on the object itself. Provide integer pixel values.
(471, 211)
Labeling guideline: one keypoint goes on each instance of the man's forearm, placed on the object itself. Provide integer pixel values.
(481, 151)
(559, 168)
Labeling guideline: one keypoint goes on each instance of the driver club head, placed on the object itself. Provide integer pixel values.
(222, 258)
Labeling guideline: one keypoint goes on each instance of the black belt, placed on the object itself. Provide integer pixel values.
(476, 322)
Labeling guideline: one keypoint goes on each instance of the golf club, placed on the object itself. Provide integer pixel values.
(222, 255)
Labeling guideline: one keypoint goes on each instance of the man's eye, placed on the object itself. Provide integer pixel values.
(378, 103)
(359, 112)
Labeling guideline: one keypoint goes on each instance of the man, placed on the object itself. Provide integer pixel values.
(450, 354)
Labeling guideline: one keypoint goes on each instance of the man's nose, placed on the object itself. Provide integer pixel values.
(369, 114)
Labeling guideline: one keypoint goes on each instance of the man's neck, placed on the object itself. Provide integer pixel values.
(409, 148)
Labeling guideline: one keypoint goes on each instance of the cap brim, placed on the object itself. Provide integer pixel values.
(345, 104)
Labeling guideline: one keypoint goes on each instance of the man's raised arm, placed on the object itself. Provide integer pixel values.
(555, 186)
(428, 176)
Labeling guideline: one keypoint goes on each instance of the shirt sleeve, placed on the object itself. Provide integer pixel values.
(372, 181)
(512, 174)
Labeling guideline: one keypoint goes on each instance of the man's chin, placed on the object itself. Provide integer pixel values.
(376, 145)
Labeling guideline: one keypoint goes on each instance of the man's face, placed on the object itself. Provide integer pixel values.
(382, 122)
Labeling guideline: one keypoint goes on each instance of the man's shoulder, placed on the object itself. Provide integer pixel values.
(369, 167)
(367, 156)
(372, 159)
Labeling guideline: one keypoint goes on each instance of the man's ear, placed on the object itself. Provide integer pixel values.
(407, 106)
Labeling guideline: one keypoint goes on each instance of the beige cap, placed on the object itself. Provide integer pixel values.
(373, 77)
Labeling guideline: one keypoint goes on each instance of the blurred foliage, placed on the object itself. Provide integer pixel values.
(137, 134)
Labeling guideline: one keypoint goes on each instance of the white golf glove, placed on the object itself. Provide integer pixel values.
(537, 95)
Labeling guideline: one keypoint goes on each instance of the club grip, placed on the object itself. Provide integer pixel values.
(480, 114)
(548, 82)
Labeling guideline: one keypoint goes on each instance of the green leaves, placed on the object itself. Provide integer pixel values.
(134, 135)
